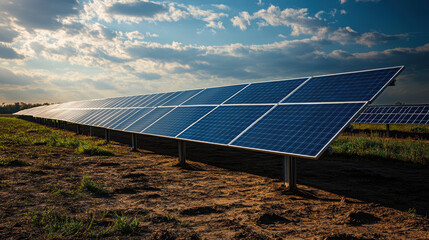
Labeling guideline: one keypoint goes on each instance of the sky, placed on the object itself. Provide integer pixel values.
(65, 50)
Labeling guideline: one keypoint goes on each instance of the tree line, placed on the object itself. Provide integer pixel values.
(18, 106)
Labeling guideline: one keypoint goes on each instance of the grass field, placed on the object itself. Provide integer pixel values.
(55, 184)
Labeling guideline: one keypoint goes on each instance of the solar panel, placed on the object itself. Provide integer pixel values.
(224, 123)
(299, 129)
(266, 92)
(182, 97)
(214, 95)
(142, 123)
(298, 117)
(177, 120)
(398, 114)
(346, 87)
(126, 121)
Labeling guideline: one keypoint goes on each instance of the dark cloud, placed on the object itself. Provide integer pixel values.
(7, 34)
(9, 78)
(27, 95)
(9, 53)
(40, 14)
(137, 9)
(148, 76)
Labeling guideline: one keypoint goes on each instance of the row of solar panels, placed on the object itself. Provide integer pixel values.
(398, 114)
(298, 117)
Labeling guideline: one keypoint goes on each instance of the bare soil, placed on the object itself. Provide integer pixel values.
(221, 193)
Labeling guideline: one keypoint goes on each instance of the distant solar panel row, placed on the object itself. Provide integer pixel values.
(398, 114)
(299, 117)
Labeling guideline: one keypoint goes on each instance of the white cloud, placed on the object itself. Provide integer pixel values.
(221, 6)
(241, 21)
(301, 23)
(133, 12)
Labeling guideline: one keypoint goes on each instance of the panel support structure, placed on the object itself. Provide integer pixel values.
(107, 134)
(77, 129)
(388, 130)
(91, 131)
(134, 141)
(289, 172)
(182, 152)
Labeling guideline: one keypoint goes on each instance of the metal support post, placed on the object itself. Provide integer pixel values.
(91, 131)
(289, 172)
(77, 129)
(134, 141)
(182, 152)
(107, 134)
(388, 130)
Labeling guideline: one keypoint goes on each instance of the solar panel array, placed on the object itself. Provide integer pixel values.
(398, 114)
(297, 117)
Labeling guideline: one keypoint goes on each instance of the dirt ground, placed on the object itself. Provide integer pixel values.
(222, 193)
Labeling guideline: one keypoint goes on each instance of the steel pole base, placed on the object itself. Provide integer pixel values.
(107, 135)
(134, 141)
(289, 173)
(182, 152)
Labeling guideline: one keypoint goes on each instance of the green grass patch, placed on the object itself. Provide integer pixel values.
(17, 132)
(416, 151)
(91, 186)
(92, 149)
(176, 220)
(58, 224)
(412, 128)
(125, 224)
(55, 223)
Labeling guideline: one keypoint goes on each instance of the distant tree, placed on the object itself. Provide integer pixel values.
(18, 106)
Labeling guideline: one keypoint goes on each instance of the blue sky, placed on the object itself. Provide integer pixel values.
(65, 50)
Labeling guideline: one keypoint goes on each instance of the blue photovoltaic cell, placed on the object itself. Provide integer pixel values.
(121, 116)
(214, 95)
(224, 123)
(177, 120)
(359, 86)
(104, 115)
(185, 95)
(300, 129)
(148, 119)
(266, 92)
(112, 115)
(89, 118)
(401, 114)
(159, 100)
(141, 100)
(128, 120)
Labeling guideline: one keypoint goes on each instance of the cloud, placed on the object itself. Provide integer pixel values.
(348, 35)
(9, 78)
(302, 23)
(221, 6)
(9, 53)
(7, 34)
(241, 21)
(40, 14)
(137, 9)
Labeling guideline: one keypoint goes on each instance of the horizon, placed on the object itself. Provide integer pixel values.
(79, 50)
